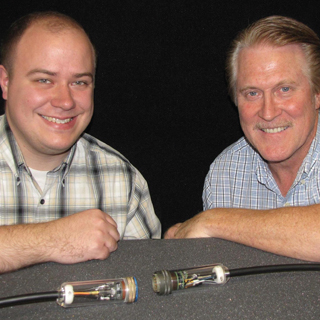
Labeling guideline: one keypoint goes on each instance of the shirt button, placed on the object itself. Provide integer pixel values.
(42, 201)
(287, 204)
(303, 182)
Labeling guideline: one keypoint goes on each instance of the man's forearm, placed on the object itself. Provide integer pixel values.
(23, 245)
(293, 232)
(86, 235)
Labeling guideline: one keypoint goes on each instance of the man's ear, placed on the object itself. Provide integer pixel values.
(4, 81)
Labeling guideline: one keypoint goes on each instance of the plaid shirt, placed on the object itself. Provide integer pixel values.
(240, 178)
(93, 175)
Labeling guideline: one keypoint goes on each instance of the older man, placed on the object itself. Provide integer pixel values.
(65, 196)
(263, 191)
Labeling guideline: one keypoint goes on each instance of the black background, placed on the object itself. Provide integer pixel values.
(161, 96)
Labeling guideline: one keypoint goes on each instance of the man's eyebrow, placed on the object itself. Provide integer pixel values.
(248, 88)
(44, 71)
(84, 74)
(286, 82)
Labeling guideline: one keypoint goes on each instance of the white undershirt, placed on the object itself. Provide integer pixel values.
(39, 176)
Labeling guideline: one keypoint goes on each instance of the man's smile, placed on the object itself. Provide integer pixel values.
(56, 120)
(274, 130)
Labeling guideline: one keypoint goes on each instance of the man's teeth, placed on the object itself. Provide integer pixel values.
(57, 120)
(274, 130)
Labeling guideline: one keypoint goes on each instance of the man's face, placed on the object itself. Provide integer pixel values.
(277, 109)
(50, 90)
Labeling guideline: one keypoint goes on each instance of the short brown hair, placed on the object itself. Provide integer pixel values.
(51, 20)
(276, 31)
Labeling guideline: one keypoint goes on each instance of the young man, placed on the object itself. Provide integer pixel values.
(65, 196)
(263, 191)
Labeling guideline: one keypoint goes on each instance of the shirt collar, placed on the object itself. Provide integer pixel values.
(313, 153)
(16, 152)
(17, 155)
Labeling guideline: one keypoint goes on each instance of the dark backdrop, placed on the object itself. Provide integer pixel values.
(161, 96)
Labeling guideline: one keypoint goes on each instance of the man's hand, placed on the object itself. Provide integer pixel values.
(170, 233)
(90, 234)
(192, 228)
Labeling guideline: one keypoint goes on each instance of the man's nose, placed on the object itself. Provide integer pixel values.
(269, 108)
(63, 98)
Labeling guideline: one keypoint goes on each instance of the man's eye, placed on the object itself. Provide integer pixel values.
(80, 83)
(252, 93)
(44, 81)
(285, 89)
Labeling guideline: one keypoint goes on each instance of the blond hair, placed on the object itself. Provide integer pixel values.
(276, 31)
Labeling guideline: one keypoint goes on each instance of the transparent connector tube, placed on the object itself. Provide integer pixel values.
(84, 293)
(166, 281)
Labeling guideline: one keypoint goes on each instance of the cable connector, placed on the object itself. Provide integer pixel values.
(164, 281)
(82, 293)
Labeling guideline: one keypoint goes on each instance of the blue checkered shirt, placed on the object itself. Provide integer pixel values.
(93, 175)
(240, 178)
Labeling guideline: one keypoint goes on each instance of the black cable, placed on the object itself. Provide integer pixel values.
(274, 268)
(29, 298)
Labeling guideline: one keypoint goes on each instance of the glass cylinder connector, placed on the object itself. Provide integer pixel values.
(166, 281)
(83, 293)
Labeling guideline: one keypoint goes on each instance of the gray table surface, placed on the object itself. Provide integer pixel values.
(293, 295)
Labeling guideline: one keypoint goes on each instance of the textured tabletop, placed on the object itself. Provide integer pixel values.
(293, 295)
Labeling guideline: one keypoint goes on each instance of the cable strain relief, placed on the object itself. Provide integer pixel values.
(221, 273)
(68, 294)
